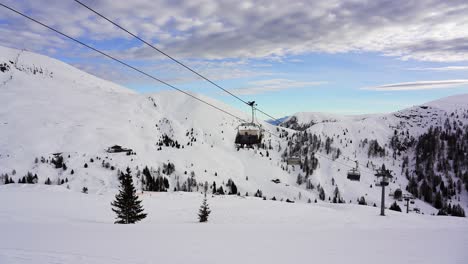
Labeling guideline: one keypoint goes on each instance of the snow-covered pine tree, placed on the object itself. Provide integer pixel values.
(204, 211)
(127, 206)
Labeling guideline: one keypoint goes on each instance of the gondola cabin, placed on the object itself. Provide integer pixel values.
(248, 134)
(354, 174)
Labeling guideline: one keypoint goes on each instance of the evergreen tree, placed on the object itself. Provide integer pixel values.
(7, 180)
(457, 210)
(214, 188)
(29, 178)
(220, 190)
(438, 203)
(362, 201)
(204, 211)
(321, 193)
(395, 207)
(126, 205)
(299, 179)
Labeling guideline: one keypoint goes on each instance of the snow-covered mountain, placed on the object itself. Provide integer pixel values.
(51, 109)
(425, 146)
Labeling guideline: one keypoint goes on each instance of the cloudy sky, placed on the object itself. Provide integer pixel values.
(342, 56)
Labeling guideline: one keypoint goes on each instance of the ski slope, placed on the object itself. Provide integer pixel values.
(51, 107)
(47, 224)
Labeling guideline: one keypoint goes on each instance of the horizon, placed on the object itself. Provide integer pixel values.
(288, 60)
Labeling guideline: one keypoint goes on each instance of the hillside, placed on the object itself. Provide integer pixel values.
(53, 114)
(425, 146)
(51, 107)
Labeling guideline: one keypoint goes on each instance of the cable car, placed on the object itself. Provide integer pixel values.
(354, 174)
(251, 133)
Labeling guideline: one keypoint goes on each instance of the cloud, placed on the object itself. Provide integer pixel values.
(446, 68)
(420, 85)
(430, 30)
(171, 72)
(272, 85)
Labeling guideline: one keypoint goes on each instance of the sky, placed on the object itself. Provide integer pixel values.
(339, 56)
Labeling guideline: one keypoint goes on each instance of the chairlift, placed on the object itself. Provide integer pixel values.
(354, 174)
(249, 133)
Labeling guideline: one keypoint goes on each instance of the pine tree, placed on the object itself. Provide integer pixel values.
(7, 180)
(204, 211)
(438, 203)
(321, 193)
(395, 207)
(126, 205)
(362, 201)
(299, 179)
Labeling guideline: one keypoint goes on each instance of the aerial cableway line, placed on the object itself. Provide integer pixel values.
(171, 57)
(147, 74)
(120, 61)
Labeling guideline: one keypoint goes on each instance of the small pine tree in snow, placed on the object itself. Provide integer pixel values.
(362, 201)
(220, 190)
(214, 187)
(126, 205)
(84, 190)
(395, 207)
(48, 182)
(204, 211)
(321, 194)
(299, 179)
(7, 179)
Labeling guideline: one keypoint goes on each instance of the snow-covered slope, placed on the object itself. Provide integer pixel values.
(49, 224)
(50, 107)
(397, 134)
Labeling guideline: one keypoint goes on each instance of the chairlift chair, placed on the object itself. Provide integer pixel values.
(354, 174)
(249, 133)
